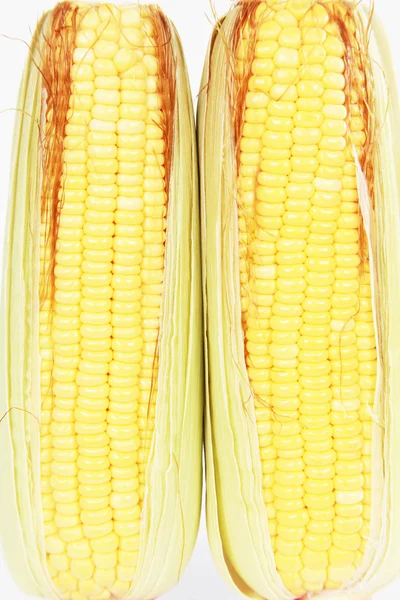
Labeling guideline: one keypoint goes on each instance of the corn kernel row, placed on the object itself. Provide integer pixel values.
(310, 340)
(99, 342)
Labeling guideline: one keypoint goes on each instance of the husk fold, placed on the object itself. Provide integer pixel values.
(236, 514)
(171, 509)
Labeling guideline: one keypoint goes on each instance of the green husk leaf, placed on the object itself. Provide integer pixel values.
(237, 520)
(20, 502)
(174, 476)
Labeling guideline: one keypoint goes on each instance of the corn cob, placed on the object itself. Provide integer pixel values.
(102, 329)
(300, 282)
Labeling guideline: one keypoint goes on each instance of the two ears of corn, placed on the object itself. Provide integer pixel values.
(102, 320)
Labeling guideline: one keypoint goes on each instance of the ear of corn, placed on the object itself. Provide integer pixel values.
(300, 187)
(102, 370)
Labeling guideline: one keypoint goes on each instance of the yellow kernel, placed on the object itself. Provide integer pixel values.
(124, 59)
(287, 57)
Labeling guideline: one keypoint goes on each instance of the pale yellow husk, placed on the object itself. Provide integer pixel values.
(172, 502)
(236, 514)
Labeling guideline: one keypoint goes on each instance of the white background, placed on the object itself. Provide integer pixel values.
(193, 19)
